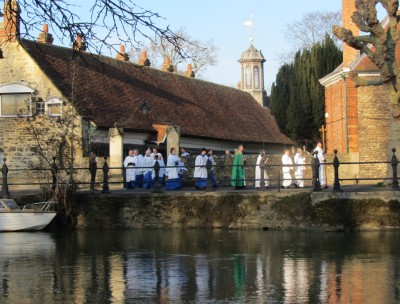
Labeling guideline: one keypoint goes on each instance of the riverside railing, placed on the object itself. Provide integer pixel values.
(188, 180)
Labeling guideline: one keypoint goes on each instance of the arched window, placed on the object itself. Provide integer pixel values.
(248, 77)
(256, 77)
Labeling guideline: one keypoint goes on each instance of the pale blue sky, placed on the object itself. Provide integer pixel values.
(222, 21)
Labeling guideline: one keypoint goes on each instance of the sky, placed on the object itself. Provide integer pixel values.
(222, 21)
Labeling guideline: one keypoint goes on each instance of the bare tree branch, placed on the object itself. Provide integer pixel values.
(312, 28)
(185, 50)
(107, 24)
(379, 44)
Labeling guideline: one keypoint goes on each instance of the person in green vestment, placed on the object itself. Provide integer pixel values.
(238, 170)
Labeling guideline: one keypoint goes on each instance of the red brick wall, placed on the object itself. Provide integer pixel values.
(334, 122)
(349, 54)
(352, 116)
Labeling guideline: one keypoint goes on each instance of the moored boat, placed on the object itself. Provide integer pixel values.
(31, 217)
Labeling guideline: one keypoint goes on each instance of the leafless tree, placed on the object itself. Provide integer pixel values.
(379, 43)
(58, 140)
(103, 24)
(312, 28)
(183, 50)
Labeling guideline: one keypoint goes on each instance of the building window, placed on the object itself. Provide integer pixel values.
(40, 107)
(54, 107)
(15, 104)
(256, 77)
(15, 100)
(248, 77)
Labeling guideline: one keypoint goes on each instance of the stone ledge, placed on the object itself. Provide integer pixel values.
(386, 196)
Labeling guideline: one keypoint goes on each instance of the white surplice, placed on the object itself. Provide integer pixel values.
(130, 169)
(200, 172)
(172, 161)
(287, 166)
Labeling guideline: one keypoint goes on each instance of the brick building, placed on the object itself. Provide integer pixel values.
(358, 119)
(117, 104)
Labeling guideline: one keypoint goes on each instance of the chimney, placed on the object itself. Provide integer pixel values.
(10, 27)
(143, 59)
(79, 45)
(239, 85)
(189, 72)
(348, 8)
(121, 55)
(168, 67)
(45, 37)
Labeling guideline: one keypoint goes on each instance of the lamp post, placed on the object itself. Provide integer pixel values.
(144, 107)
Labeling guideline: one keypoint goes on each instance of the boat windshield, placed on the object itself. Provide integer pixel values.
(10, 204)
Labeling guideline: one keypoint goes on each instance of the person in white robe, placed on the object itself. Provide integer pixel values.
(287, 166)
(200, 170)
(322, 160)
(155, 152)
(261, 171)
(172, 172)
(148, 164)
(299, 160)
(129, 164)
(139, 168)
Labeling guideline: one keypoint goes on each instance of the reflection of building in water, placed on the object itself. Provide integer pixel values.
(295, 280)
(117, 279)
(323, 279)
(26, 259)
(352, 282)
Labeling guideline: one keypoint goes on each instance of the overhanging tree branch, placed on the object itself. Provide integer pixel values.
(379, 44)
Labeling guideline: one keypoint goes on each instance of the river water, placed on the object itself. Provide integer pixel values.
(199, 266)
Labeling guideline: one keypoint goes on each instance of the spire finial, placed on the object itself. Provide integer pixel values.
(250, 24)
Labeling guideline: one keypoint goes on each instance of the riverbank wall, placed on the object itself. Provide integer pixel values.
(269, 210)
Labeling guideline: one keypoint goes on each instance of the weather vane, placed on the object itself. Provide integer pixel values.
(250, 24)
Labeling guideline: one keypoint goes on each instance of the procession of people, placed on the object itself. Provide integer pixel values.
(140, 171)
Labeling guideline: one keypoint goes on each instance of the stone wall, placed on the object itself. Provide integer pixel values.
(374, 122)
(263, 210)
(19, 138)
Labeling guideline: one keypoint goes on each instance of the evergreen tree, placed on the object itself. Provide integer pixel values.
(297, 98)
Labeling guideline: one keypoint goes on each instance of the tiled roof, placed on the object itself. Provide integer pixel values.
(109, 92)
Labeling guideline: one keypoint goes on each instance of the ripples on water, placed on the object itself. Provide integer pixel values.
(199, 266)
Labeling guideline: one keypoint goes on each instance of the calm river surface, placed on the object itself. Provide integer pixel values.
(199, 266)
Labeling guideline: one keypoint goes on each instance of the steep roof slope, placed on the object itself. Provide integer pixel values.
(109, 92)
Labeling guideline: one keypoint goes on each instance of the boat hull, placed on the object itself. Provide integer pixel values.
(25, 221)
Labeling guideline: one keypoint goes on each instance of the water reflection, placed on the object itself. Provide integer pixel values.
(199, 266)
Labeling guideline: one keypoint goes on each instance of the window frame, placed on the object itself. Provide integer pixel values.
(53, 101)
(249, 77)
(16, 89)
(256, 77)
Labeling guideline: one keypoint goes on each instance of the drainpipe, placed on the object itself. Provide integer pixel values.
(346, 118)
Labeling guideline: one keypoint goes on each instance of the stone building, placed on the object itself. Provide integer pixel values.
(252, 74)
(114, 104)
(357, 118)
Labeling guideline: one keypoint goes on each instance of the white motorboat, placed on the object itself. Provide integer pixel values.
(31, 217)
